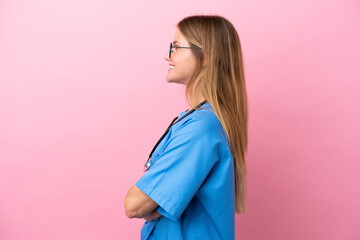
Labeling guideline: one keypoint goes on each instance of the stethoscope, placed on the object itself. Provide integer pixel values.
(147, 163)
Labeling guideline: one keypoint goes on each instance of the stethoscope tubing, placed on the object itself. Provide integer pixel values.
(173, 122)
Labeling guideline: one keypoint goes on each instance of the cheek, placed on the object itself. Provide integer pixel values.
(184, 65)
(190, 66)
(189, 61)
(185, 69)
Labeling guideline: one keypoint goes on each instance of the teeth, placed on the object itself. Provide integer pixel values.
(171, 67)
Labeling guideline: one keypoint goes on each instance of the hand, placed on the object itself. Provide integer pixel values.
(153, 216)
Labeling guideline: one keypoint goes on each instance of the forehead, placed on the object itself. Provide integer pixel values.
(179, 37)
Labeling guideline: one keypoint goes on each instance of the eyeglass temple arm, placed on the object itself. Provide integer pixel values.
(179, 47)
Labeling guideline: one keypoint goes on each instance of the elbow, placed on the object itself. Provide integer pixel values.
(131, 210)
(130, 214)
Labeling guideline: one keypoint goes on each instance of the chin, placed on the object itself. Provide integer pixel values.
(174, 81)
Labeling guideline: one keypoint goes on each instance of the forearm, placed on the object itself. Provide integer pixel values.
(153, 216)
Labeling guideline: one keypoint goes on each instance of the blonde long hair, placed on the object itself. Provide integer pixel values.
(219, 75)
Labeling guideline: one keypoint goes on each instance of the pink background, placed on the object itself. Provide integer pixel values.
(83, 99)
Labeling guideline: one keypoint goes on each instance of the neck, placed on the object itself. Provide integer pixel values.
(196, 100)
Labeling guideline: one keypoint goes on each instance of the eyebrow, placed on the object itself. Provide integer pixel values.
(176, 42)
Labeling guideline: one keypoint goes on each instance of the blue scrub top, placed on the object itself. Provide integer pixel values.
(191, 178)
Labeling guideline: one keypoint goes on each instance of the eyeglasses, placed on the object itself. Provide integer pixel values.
(176, 47)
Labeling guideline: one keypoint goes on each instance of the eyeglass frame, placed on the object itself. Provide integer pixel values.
(176, 47)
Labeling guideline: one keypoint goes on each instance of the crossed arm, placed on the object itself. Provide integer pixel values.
(140, 205)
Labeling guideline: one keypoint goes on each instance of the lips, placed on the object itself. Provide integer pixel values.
(171, 67)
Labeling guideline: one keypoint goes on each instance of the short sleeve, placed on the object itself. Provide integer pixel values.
(178, 172)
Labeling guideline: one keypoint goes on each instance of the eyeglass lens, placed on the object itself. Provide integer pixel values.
(170, 50)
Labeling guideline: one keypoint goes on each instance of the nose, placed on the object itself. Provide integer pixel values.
(166, 57)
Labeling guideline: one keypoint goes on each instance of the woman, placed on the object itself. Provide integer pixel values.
(196, 175)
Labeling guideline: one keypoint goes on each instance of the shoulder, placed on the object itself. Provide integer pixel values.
(201, 127)
(207, 118)
(202, 123)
